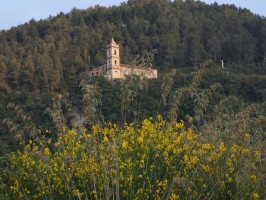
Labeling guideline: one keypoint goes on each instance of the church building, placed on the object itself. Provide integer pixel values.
(113, 69)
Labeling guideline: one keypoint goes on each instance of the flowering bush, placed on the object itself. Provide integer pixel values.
(156, 160)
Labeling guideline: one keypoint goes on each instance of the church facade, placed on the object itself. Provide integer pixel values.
(113, 69)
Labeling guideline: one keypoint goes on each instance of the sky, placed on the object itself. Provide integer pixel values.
(17, 12)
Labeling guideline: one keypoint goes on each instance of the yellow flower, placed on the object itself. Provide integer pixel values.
(206, 146)
(229, 162)
(229, 179)
(253, 177)
(154, 152)
(105, 139)
(173, 196)
(140, 140)
(77, 193)
(256, 196)
(190, 119)
(46, 152)
(206, 168)
(159, 118)
(257, 154)
(247, 136)
(222, 147)
(124, 145)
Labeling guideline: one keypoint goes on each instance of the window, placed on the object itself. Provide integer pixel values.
(115, 52)
(115, 62)
(92, 74)
(109, 52)
(96, 73)
(115, 71)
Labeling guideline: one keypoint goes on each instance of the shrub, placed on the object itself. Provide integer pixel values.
(155, 160)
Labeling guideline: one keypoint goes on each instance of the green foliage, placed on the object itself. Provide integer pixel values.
(39, 55)
(181, 94)
(145, 59)
(92, 100)
(42, 64)
(154, 160)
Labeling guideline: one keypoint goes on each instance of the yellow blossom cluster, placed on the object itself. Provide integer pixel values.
(155, 160)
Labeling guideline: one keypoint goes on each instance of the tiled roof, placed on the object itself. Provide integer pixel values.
(113, 42)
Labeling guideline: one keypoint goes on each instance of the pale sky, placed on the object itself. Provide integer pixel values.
(16, 12)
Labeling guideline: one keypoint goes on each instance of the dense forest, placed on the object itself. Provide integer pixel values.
(49, 54)
(41, 59)
(196, 132)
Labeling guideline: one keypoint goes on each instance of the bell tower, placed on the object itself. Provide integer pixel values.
(113, 59)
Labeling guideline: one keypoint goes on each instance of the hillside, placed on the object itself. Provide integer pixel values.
(42, 55)
(196, 132)
(40, 59)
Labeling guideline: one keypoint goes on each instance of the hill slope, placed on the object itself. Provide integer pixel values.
(39, 59)
(42, 55)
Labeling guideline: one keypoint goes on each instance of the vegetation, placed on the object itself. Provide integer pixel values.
(39, 60)
(66, 136)
(49, 55)
(156, 160)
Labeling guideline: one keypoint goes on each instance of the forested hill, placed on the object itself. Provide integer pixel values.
(48, 105)
(50, 54)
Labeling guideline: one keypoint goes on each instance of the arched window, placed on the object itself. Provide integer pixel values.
(115, 52)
